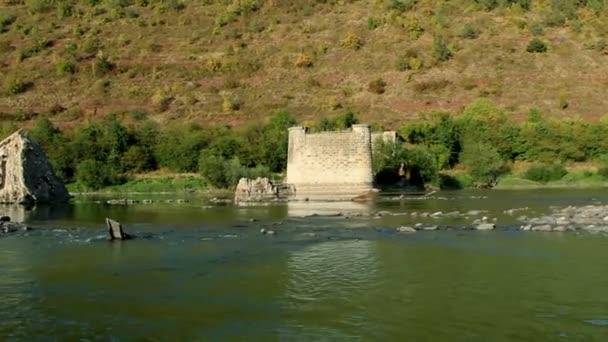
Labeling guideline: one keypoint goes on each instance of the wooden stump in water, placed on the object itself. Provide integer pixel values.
(115, 230)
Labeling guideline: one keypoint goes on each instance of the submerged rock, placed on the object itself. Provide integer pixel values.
(26, 176)
(405, 229)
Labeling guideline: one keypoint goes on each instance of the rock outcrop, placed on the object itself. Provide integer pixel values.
(26, 176)
(259, 190)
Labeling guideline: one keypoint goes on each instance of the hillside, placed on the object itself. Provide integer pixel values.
(235, 61)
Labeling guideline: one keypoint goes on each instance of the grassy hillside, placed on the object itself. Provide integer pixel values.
(235, 61)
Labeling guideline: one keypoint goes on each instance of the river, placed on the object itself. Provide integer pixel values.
(200, 271)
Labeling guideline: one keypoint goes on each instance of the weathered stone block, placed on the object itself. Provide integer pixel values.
(26, 176)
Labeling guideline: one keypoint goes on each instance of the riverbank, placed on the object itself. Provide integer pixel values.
(152, 183)
(578, 176)
(574, 176)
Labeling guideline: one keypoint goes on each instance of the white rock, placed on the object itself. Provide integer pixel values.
(486, 226)
(542, 228)
(405, 229)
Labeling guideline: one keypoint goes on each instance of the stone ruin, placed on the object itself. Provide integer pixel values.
(259, 190)
(330, 165)
(26, 175)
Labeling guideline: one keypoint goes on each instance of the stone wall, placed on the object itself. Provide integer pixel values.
(330, 164)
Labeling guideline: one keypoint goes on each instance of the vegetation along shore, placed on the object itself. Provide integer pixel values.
(476, 147)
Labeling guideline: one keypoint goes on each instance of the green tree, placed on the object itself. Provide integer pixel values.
(178, 148)
(92, 174)
(483, 162)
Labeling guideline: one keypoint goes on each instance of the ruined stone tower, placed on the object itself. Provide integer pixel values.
(327, 165)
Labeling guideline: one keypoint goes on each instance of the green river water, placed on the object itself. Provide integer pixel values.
(203, 272)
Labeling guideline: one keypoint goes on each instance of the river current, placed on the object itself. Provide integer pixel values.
(202, 271)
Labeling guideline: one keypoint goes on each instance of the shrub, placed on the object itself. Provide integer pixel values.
(37, 6)
(14, 85)
(64, 68)
(545, 173)
(409, 61)
(483, 162)
(93, 174)
(377, 86)
(536, 46)
(403, 64)
(161, 101)
(220, 172)
(214, 64)
(303, 61)
(413, 27)
(352, 41)
(179, 149)
(423, 86)
(537, 29)
(231, 104)
(90, 45)
(373, 23)
(102, 64)
(5, 21)
(469, 32)
(440, 50)
(603, 172)
(402, 5)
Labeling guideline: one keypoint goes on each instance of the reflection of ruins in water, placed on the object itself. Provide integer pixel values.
(319, 208)
(28, 214)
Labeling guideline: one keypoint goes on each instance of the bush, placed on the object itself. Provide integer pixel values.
(5, 21)
(536, 46)
(178, 149)
(303, 61)
(469, 32)
(377, 86)
(373, 23)
(94, 174)
(225, 173)
(423, 86)
(483, 163)
(352, 41)
(603, 172)
(402, 5)
(231, 104)
(14, 85)
(440, 50)
(545, 173)
(102, 64)
(64, 68)
(409, 61)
